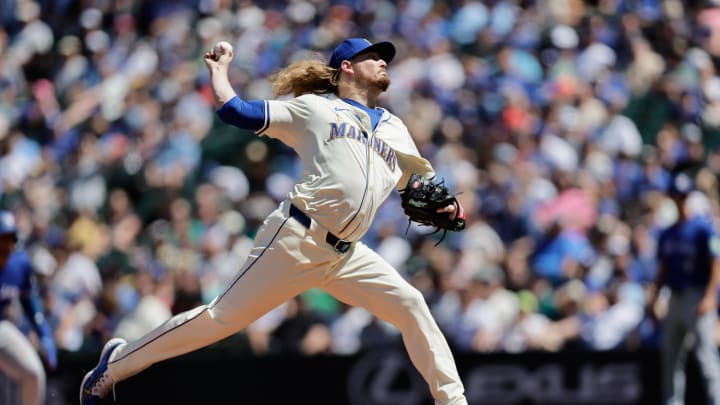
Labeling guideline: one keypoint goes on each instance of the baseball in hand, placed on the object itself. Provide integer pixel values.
(221, 48)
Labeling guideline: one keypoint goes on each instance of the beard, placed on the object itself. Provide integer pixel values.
(383, 83)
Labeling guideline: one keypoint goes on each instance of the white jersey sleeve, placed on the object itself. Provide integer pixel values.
(288, 120)
(408, 156)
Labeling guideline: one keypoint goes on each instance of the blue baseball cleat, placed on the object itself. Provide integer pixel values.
(97, 382)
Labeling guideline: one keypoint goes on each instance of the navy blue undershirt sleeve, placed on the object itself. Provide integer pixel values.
(31, 304)
(243, 114)
(33, 311)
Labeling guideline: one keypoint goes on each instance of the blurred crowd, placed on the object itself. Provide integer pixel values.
(559, 121)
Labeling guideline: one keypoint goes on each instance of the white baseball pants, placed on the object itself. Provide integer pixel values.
(286, 260)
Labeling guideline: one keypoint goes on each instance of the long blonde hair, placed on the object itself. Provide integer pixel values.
(305, 76)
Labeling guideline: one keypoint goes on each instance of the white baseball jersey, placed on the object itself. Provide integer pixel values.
(349, 169)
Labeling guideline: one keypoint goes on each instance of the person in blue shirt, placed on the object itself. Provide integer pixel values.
(688, 266)
(18, 358)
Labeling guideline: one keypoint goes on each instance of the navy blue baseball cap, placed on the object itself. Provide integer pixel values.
(7, 223)
(353, 47)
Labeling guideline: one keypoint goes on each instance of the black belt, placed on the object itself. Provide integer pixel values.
(340, 245)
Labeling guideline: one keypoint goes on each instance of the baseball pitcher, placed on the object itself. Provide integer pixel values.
(354, 154)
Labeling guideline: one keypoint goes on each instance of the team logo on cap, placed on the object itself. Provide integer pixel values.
(7, 222)
(683, 183)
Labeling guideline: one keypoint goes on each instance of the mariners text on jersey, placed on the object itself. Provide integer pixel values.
(349, 131)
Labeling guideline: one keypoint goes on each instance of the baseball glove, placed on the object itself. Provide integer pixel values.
(421, 200)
